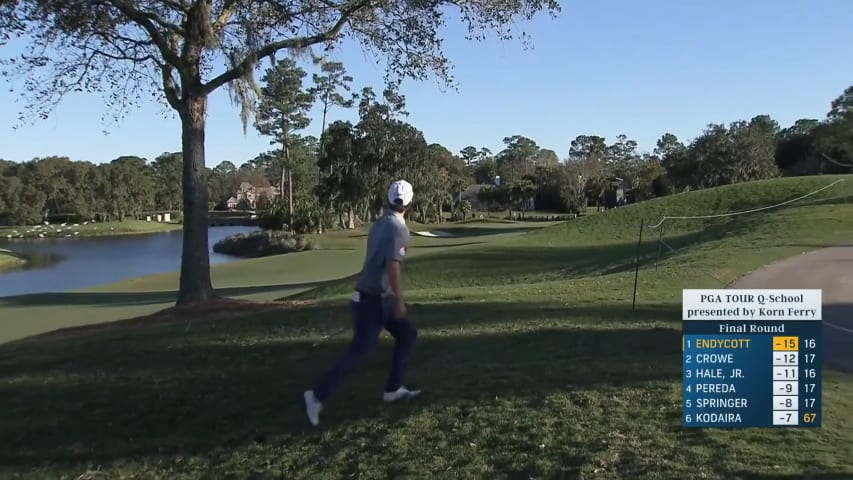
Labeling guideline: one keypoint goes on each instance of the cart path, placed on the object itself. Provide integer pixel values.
(830, 269)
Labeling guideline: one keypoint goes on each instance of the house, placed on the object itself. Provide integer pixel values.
(471, 194)
(614, 193)
(248, 196)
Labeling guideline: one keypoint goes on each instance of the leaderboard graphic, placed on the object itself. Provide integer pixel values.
(751, 358)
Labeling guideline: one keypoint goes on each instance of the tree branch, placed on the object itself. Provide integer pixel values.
(142, 20)
(163, 23)
(300, 42)
(123, 53)
(169, 87)
(180, 6)
(228, 10)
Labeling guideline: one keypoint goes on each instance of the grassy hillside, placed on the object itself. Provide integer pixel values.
(532, 361)
(606, 244)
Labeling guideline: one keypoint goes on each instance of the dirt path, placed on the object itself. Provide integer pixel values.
(830, 269)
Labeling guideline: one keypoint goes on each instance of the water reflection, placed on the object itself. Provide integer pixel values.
(57, 264)
(36, 260)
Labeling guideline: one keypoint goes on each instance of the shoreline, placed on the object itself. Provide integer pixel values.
(112, 229)
(86, 230)
(10, 260)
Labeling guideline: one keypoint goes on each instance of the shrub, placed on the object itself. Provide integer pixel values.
(273, 217)
(541, 218)
(263, 244)
(307, 216)
(462, 211)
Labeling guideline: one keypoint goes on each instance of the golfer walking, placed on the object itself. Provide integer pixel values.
(377, 303)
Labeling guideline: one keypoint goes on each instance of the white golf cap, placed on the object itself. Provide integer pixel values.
(400, 190)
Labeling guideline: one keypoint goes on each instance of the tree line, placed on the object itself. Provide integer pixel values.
(340, 178)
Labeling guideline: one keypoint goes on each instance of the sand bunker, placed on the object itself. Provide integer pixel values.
(435, 233)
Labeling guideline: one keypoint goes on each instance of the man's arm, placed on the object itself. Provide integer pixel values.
(393, 268)
(395, 277)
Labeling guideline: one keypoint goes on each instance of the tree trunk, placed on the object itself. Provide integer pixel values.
(290, 192)
(322, 141)
(286, 146)
(281, 183)
(195, 285)
(351, 218)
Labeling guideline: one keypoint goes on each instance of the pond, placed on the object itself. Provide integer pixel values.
(60, 264)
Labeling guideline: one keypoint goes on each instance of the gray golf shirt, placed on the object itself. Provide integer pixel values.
(387, 240)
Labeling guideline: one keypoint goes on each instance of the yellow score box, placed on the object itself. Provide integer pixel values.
(785, 344)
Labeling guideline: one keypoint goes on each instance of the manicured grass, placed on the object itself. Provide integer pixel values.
(340, 256)
(9, 260)
(88, 229)
(533, 364)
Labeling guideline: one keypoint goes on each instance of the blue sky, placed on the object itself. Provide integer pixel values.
(604, 67)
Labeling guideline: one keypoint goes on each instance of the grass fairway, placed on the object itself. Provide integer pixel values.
(89, 229)
(532, 361)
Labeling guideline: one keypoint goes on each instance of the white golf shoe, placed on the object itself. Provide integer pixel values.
(402, 393)
(313, 407)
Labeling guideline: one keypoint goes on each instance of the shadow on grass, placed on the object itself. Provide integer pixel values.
(145, 399)
(483, 231)
(331, 322)
(837, 200)
(417, 247)
(818, 245)
(140, 298)
(149, 395)
(846, 475)
(519, 263)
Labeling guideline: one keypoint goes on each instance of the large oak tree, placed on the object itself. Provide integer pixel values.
(181, 51)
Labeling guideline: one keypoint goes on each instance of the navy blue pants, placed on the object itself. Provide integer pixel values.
(370, 317)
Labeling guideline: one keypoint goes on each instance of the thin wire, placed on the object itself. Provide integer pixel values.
(731, 214)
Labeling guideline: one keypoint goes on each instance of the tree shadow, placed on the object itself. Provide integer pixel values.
(461, 232)
(143, 298)
(548, 262)
(183, 395)
(837, 200)
(418, 247)
(848, 475)
(166, 392)
(498, 264)
(815, 246)
(331, 321)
